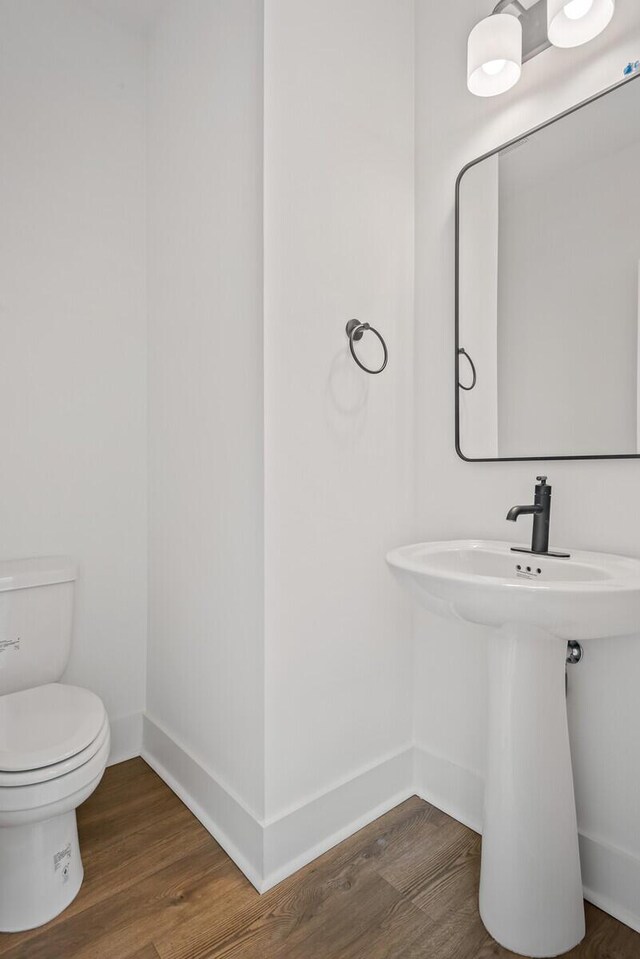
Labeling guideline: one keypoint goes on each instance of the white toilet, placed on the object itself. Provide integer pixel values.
(54, 744)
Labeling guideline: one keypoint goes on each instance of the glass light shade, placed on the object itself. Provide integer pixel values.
(574, 22)
(494, 57)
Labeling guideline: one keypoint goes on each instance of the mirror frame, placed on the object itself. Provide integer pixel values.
(457, 387)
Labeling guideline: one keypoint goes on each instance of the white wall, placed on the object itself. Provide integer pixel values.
(205, 677)
(72, 314)
(339, 155)
(595, 503)
(279, 670)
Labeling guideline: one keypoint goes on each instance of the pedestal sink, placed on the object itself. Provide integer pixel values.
(530, 887)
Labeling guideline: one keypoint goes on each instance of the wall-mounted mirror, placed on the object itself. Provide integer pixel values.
(548, 289)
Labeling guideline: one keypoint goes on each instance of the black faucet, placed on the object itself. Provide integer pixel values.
(541, 511)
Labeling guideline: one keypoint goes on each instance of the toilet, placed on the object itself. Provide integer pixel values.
(54, 744)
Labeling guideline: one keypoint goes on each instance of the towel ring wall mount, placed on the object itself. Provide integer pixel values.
(355, 331)
(463, 352)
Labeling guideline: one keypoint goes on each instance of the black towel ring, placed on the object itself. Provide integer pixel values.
(462, 352)
(355, 332)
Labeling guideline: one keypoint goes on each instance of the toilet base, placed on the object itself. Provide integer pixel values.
(40, 871)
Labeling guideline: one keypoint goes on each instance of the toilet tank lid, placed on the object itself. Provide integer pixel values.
(38, 571)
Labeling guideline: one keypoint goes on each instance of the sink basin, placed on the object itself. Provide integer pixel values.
(530, 885)
(590, 595)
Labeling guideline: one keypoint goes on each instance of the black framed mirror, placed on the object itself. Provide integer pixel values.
(548, 289)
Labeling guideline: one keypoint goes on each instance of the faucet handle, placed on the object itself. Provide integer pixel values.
(542, 480)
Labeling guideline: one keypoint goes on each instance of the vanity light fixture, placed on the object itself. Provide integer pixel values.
(574, 23)
(518, 31)
(494, 55)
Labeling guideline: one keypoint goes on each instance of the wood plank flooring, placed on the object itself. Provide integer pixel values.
(157, 886)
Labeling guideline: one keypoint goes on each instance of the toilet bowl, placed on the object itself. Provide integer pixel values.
(54, 745)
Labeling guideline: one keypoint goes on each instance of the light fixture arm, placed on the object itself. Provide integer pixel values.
(534, 25)
(503, 4)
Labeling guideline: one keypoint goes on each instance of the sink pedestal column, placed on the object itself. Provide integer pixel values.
(530, 887)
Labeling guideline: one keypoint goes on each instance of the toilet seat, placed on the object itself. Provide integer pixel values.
(52, 727)
(54, 746)
(29, 777)
(41, 801)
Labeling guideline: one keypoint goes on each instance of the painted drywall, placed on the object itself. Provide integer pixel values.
(594, 502)
(72, 313)
(205, 674)
(137, 16)
(339, 167)
(284, 732)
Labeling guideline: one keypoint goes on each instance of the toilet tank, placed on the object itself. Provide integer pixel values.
(36, 612)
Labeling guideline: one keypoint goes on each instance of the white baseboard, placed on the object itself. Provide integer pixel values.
(269, 851)
(611, 879)
(230, 823)
(304, 833)
(610, 876)
(126, 738)
(457, 791)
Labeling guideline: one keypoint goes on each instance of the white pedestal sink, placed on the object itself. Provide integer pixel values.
(530, 886)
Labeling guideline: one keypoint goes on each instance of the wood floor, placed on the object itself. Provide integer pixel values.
(157, 886)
